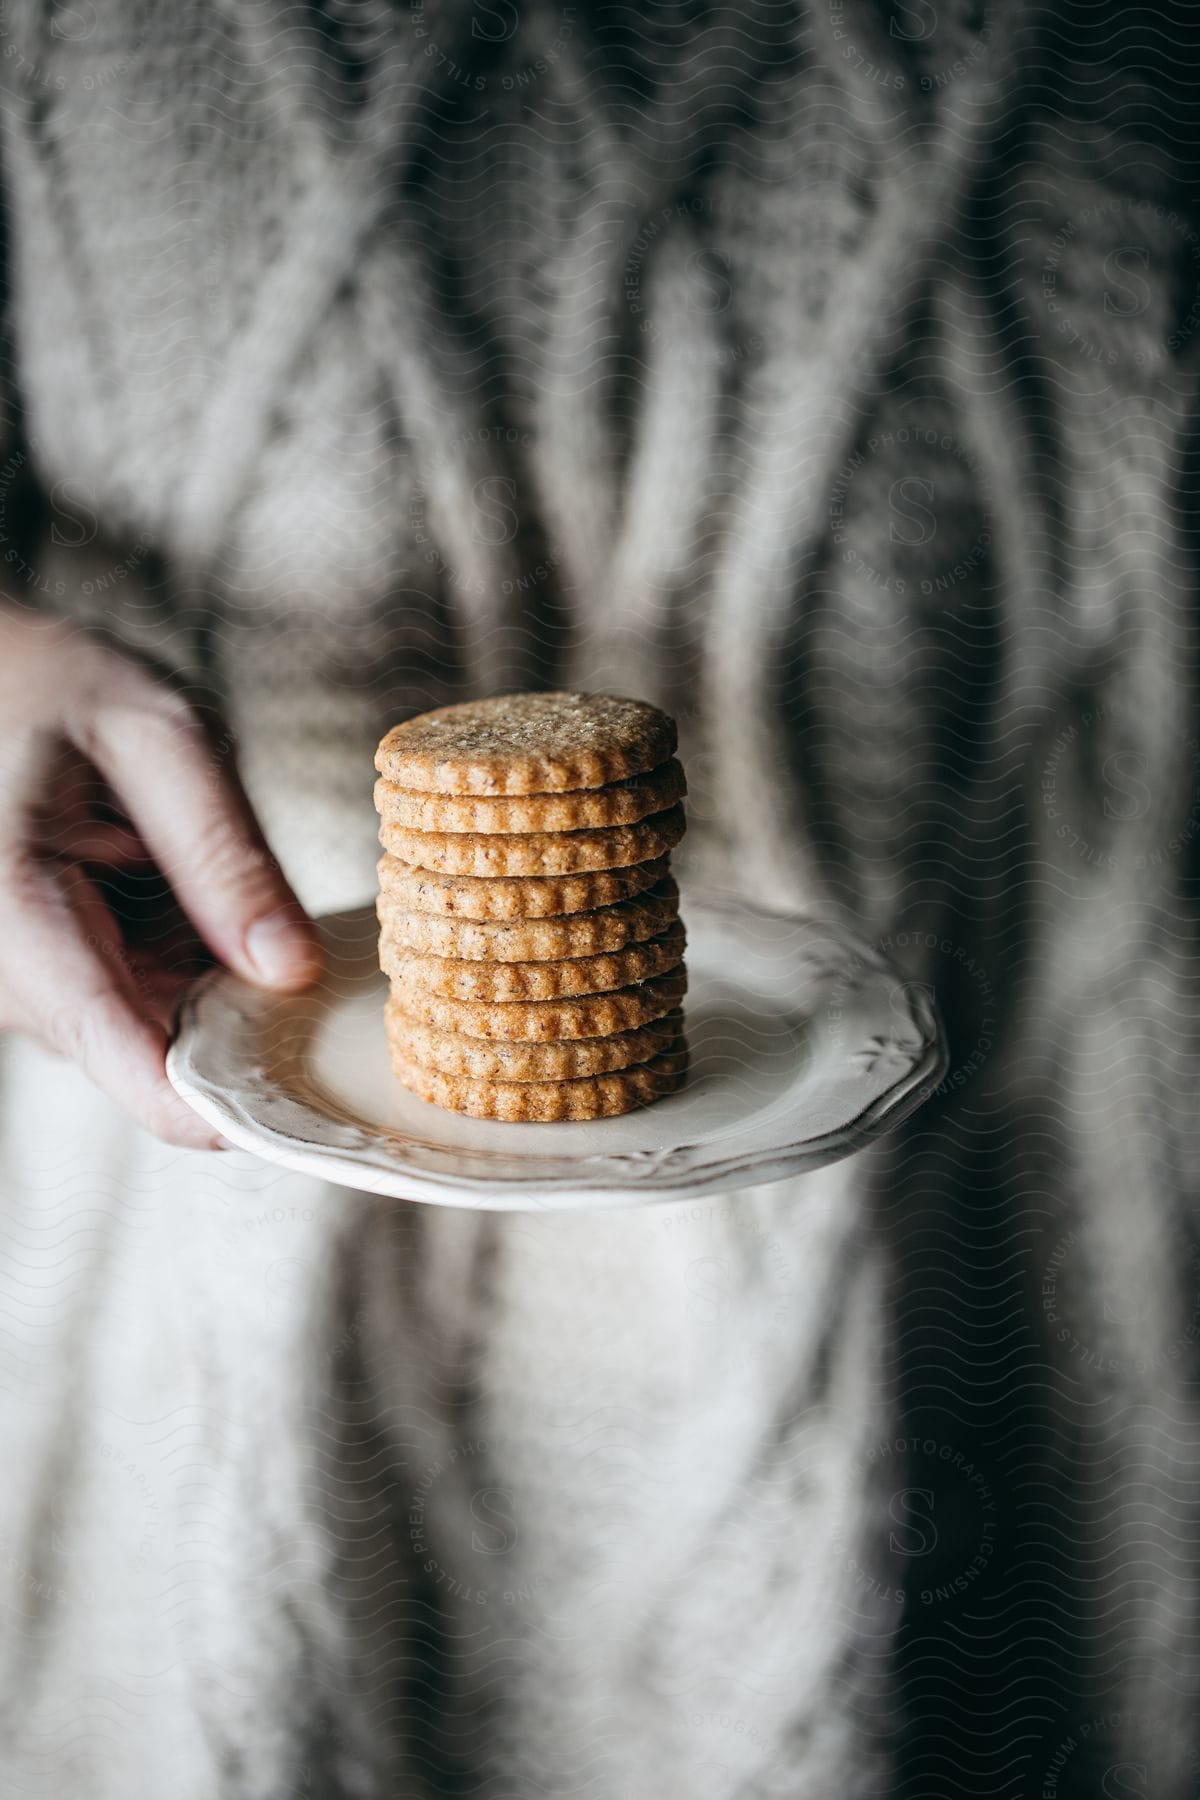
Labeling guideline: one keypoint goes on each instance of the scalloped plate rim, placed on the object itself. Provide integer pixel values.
(667, 1174)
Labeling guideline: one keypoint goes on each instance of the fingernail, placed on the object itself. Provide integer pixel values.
(279, 950)
(223, 1144)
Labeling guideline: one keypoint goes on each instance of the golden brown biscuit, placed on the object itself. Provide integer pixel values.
(620, 803)
(535, 852)
(532, 980)
(494, 1059)
(544, 1102)
(544, 1021)
(515, 897)
(526, 744)
(531, 940)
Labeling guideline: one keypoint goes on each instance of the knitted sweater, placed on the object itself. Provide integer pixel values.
(821, 373)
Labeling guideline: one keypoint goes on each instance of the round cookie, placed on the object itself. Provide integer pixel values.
(516, 897)
(546, 1102)
(535, 852)
(544, 1021)
(526, 744)
(494, 1059)
(579, 809)
(532, 980)
(534, 940)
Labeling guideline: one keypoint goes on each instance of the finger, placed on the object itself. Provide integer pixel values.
(65, 979)
(74, 820)
(107, 846)
(63, 800)
(162, 992)
(190, 810)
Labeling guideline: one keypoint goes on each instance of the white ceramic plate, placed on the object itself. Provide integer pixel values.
(805, 1045)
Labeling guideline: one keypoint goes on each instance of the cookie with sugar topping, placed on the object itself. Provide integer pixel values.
(547, 1102)
(550, 980)
(502, 1059)
(588, 933)
(575, 809)
(535, 852)
(514, 899)
(527, 744)
(547, 1021)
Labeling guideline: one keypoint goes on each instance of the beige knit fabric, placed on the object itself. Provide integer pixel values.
(822, 375)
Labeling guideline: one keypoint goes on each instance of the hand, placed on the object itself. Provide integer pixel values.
(129, 859)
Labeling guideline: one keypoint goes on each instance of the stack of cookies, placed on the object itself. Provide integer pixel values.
(529, 925)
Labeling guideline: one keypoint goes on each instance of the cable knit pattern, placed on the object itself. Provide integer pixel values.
(824, 374)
